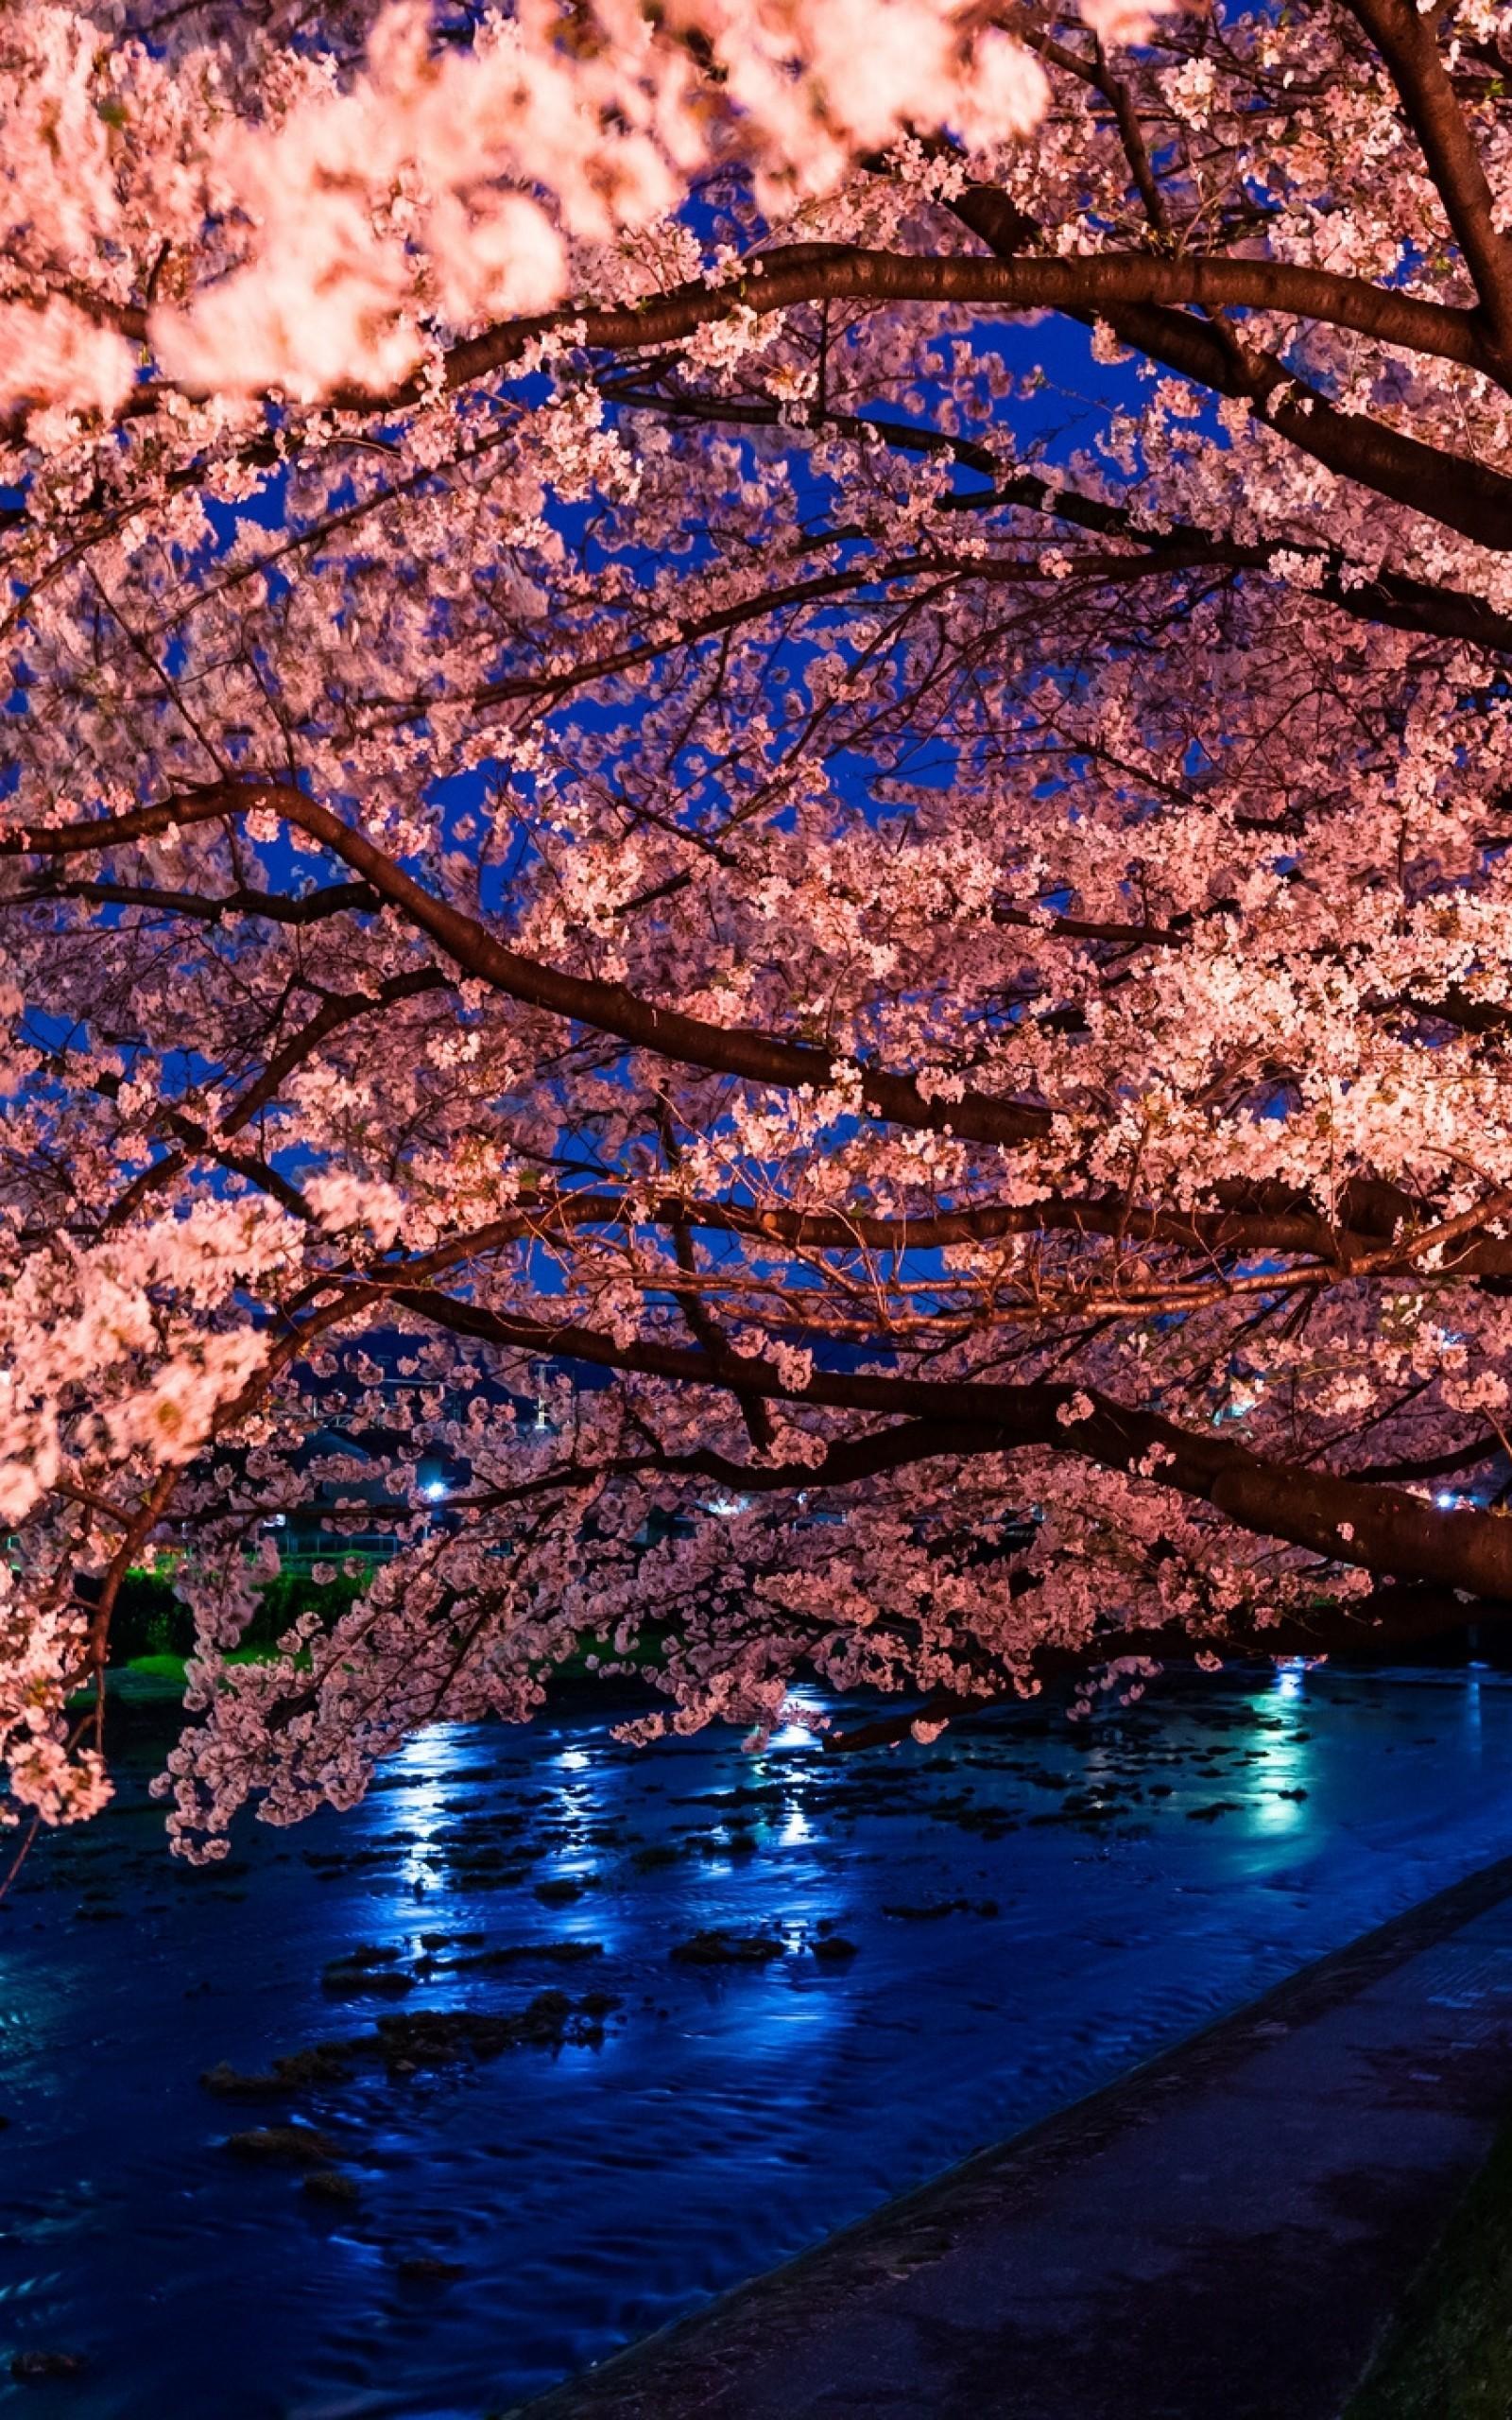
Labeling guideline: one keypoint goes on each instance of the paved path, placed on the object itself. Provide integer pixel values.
(1222, 2235)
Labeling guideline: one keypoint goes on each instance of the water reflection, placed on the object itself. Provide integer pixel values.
(923, 1949)
(421, 1778)
(1472, 1738)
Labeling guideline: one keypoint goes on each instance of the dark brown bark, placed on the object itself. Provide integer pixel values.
(1377, 1528)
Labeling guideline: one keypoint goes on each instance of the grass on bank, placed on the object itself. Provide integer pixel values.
(152, 1630)
(172, 1668)
(1448, 2355)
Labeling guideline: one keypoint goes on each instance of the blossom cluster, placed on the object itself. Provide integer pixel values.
(847, 946)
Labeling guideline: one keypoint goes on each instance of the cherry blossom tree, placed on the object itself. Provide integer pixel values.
(802, 703)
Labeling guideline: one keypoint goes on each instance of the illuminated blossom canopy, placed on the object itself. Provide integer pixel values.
(798, 705)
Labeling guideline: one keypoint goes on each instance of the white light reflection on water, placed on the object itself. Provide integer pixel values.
(810, 1709)
(783, 1760)
(1286, 1770)
(1474, 1738)
(423, 1776)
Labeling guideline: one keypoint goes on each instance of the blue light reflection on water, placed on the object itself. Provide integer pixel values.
(730, 2118)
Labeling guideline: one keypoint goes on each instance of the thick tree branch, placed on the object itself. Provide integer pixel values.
(607, 1008)
(1408, 39)
(1377, 1528)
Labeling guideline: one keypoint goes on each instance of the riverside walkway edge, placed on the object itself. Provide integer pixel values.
(1223, 2234)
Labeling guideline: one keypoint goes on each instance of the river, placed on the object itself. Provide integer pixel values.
(929, 1948)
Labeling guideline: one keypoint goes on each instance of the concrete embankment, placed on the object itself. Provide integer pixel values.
(1223, 2234)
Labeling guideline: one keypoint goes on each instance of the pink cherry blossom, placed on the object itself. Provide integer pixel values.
(756, 788)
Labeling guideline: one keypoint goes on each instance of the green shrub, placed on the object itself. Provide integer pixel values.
(149, 1619)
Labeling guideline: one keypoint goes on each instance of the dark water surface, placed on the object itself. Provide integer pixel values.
(1034, 1907)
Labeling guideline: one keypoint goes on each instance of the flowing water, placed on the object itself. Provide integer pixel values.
(1022, 1911)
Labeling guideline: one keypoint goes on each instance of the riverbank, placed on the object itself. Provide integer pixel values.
(1229, 2229)
(1448, 2354)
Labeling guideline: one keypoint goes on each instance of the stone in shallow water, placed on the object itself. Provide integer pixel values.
(561, 1891)
(299, 2145)
(32, 2369)
(322, 2063)
(346, 1980)
(423, 2269)
(930, 1909)
(556, 1953)
(435, 2037)
(233, 2085)
(721, 1949)
(330, 2185)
